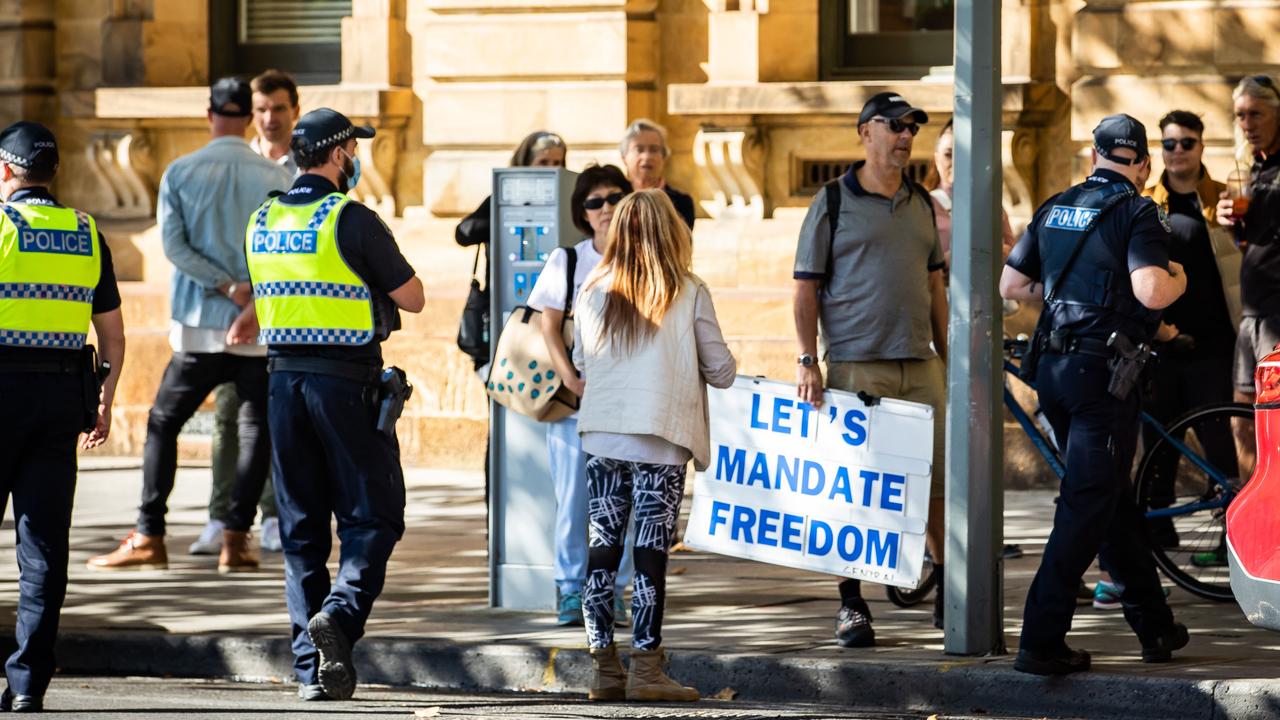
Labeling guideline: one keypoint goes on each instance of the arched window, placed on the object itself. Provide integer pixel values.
(890, 39)
(301, 37)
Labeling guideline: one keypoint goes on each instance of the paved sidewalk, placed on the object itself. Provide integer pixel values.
(765, 630)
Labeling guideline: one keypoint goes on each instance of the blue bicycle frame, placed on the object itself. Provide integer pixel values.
(1054, 460)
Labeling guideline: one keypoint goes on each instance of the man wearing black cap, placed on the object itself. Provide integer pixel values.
(202, 204)
(1098, 255)
(56, 278)
(869, 266)
(328, 281)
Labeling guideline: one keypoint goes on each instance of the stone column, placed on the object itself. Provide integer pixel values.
(26, 61)
(375, 44)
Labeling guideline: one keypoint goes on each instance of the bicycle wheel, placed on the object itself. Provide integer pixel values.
(1185, 506)
(905, 598)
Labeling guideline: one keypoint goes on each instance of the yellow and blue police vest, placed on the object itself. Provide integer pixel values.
(303, 289)
(49, 266)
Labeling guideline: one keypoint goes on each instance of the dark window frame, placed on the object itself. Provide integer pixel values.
(840, 57)
(309, 63)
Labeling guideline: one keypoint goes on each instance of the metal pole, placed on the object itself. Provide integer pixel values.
(975, 448)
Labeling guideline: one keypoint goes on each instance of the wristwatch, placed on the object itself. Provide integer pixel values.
(806, 360)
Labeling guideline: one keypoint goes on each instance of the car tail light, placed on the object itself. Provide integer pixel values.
(1266, 379)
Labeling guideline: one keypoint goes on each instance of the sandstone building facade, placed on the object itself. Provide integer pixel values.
(759, 97)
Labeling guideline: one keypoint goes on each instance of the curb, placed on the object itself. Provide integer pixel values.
(964, 686)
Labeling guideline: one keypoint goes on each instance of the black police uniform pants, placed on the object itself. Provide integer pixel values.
(330, 461)
(187, 381)
(40, 424)
(1096, 513)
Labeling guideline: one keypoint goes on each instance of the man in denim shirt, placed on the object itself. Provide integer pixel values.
(205, 200)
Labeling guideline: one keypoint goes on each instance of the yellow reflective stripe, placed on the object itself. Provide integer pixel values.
(49, 266)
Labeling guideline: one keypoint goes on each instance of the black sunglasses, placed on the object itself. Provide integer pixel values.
(897, 126)
(1266, 81)
(1170, 144)
(596, 203)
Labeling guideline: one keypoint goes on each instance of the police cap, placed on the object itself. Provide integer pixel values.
(325, 127)
(231, 97)
(1120, 131)
(30, 145)
(889, 105)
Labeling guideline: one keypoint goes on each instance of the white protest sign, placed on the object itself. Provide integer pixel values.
(842, 489)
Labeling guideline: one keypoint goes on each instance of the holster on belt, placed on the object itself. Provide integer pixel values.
(1126, 366)
(393, 390)
(92, 375)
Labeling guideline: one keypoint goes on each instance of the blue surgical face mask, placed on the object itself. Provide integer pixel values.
(354, 178)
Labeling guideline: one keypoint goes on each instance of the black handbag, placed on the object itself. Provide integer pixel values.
(473, 330)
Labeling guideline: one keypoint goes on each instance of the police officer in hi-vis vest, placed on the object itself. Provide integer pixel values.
(56, 279)
(1098, 255)
(328, 280)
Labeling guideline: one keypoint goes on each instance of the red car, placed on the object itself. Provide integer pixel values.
(1253, 518)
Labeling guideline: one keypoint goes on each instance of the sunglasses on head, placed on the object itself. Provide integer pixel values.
(897, 126)
(1266, 82)
(1170, 144)
(596, 203)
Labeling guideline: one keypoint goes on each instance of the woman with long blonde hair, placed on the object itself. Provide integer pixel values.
(648, 343)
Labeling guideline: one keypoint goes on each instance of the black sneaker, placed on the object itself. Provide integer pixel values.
(336, 673)
(1011, 552)
(311, 693)
(1161, 650)
(853, 628)
(1063, 662)
(10, 702)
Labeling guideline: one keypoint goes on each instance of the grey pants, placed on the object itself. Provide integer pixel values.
(225, 450)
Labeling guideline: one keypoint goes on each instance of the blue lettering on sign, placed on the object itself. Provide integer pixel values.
(1070, 218)
(774, 528)
(809, 477)
(60, 242)
(283, 242)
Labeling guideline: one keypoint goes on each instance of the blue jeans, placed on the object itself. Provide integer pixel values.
(330, 461)
(569, 475)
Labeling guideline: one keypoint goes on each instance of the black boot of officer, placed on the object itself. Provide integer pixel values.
(1098, 255)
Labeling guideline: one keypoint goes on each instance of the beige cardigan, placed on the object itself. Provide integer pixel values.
(658, 388)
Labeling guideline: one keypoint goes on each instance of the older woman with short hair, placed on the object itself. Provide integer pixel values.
(644, 153)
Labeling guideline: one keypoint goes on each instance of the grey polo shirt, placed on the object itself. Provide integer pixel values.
(876, 304)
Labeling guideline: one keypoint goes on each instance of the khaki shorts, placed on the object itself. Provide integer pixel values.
(1257, 337)
(922, 381)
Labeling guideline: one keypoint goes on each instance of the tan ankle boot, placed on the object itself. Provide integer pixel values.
(236, 555)
(608, 678)
(136, 552)
(647, 682)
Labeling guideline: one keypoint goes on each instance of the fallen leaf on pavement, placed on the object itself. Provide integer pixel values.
(681, 547)
(427, 712)
(725, 694)
(676, 570)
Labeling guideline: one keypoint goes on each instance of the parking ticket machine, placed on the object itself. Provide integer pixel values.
(530, 218)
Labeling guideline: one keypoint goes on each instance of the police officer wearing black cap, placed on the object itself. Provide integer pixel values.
(56, 278)
(328, 281)
(1098, 255)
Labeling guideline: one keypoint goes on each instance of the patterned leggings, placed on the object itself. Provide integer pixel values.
(614, 487)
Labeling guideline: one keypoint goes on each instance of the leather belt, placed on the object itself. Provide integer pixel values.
(1085, 346)
(358, 372)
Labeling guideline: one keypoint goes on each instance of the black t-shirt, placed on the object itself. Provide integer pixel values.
(683, 203)
(106, 295)
(1202, 311)
(371, 252)
(1260, 270)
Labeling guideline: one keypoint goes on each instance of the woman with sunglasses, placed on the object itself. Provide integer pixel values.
(940, 183)
(597, 193)
(649, 344)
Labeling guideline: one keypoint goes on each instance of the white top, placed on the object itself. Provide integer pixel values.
(264, 149)
(549, 290)
(187, 339)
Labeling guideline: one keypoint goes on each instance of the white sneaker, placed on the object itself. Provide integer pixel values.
(210, 540)
(269, 537)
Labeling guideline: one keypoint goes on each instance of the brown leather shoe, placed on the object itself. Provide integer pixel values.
(136, 552)
(236, 555)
